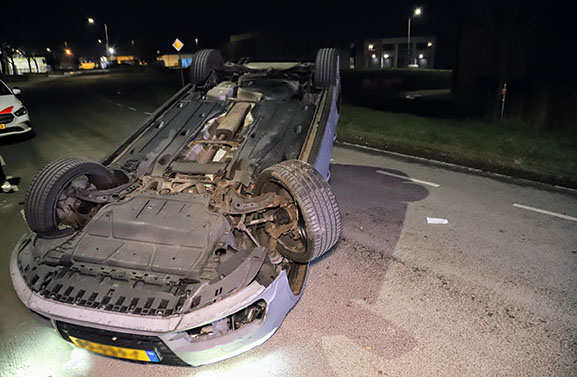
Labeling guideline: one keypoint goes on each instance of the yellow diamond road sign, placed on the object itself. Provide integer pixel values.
(177, 44)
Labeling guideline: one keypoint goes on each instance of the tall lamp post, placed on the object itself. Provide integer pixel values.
(108, 50)
(416, 13)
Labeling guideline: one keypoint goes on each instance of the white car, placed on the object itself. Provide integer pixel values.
(14, 117)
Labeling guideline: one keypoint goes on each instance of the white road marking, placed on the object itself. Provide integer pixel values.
(147, 113)
(544, 212)
(409, 179)
(434, 220)
(119, 104)
(131, 108)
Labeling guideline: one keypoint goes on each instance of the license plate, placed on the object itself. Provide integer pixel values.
(2, 126)
(120, 352)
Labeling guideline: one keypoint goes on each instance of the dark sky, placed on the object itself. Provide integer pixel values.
(155, 27)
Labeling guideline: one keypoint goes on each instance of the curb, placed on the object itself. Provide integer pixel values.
(461, 168)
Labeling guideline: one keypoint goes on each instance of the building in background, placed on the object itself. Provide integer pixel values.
(394, 53)
(20, 64)
(171, 60)
(376, 53)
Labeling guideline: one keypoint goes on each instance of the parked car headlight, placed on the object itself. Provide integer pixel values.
(21, 111)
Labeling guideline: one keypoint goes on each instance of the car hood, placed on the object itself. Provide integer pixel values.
(9, 100)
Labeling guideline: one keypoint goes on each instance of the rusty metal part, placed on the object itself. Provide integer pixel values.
(229, 201)
(206, 155)
(233, 120)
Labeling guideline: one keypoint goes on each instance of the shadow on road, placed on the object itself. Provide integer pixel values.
(15, 139)
(351, 277)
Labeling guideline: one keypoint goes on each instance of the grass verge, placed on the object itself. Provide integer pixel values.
(497, 147)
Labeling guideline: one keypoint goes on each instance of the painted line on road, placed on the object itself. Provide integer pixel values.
(119, 104)
(147, 113)
(409, 179)
(545, 212)
(131, 108)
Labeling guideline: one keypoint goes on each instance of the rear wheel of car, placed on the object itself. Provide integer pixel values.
(327, 68)
(319, 220)
(204, 62)
(50, 210)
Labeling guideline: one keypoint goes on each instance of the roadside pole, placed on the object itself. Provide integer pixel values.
(180, 65)
(503, 95)
(177, 44)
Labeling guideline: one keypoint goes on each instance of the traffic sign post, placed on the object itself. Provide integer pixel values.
(177, 44)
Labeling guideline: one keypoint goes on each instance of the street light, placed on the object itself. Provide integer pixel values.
(416, 13)
(91, 21)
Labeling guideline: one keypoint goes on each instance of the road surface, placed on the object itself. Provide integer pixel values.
(440, 271)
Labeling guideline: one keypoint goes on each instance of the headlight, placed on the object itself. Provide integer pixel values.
(21, 111)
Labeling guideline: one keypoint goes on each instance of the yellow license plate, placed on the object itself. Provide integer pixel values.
(120, 352)
(2, 126)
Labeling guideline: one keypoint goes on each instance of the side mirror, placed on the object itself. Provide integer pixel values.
(16, 91)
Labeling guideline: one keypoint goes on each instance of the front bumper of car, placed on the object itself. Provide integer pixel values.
(15, 125)
(195, 338)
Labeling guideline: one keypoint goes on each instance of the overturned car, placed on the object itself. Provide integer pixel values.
(190, 243)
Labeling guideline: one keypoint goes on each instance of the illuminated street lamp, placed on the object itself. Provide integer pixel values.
(91, 21)
(111, 51)
(68, 52)
(416, 13)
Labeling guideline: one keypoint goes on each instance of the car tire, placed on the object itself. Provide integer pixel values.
(204, 62)
(315, 201)
(46, 188)
(327, 68)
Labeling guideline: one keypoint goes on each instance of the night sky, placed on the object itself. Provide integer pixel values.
(155, 27)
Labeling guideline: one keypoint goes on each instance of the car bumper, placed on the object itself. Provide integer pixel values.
(172, 330)
(20, 125)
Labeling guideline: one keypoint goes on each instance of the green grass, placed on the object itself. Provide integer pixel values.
(501, 147)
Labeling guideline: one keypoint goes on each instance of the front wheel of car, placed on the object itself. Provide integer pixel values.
(51, 207)
(318, 222)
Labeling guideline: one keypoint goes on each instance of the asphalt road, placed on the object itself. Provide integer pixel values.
(491, 292)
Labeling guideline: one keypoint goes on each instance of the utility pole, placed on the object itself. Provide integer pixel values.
(417, 12)
(106, 35)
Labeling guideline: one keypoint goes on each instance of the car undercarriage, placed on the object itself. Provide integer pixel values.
(223, 190)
